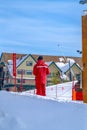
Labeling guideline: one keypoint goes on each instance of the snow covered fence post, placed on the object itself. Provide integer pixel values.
(56, 91)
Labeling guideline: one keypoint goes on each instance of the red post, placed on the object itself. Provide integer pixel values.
(14, 70)
(15, 89)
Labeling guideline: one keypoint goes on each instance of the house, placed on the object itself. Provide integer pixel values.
(55, 73)
(70, 70)
(24, 67)
(24, 78)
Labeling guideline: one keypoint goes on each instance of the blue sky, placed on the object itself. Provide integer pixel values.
(47, 27)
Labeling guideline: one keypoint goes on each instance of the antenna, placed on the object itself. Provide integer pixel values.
(61, 50)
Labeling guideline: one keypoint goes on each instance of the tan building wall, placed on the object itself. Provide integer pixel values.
(54, 69)
(75, 71)
(24, 67)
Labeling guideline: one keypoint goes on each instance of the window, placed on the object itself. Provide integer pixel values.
(50, 75)
(29, 63)
(78, 76)
(20, 71)
(29, 72)
(21, 80)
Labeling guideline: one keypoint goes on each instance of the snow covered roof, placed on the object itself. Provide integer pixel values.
(47, 58)
(48, 63)
(21, 60)
(63, 67)
(10, 62)
(84, 12)
(70, 60)
(60, 64)
(66, 66)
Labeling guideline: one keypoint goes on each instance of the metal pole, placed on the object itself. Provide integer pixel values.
(70, 77)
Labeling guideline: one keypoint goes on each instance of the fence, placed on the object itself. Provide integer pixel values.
(59, 91)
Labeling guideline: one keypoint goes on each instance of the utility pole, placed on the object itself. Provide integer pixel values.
(84, 56)
(84, 52)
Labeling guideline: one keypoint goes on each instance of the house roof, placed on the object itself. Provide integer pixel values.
(66, 67)
(23, 58)
(8, 56)
(52, 62)
(47, 58)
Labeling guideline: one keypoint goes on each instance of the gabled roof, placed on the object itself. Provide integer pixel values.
(73, 65)
(67, 66)
(50, 63)
(60, 64)
(9, 56)
(47, 58)
(23, 58)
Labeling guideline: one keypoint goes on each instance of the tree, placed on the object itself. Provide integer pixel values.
(56, 78)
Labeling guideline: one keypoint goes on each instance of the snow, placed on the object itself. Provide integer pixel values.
(60, 64)
(84, 12)
(27, 111)
(70, 60)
